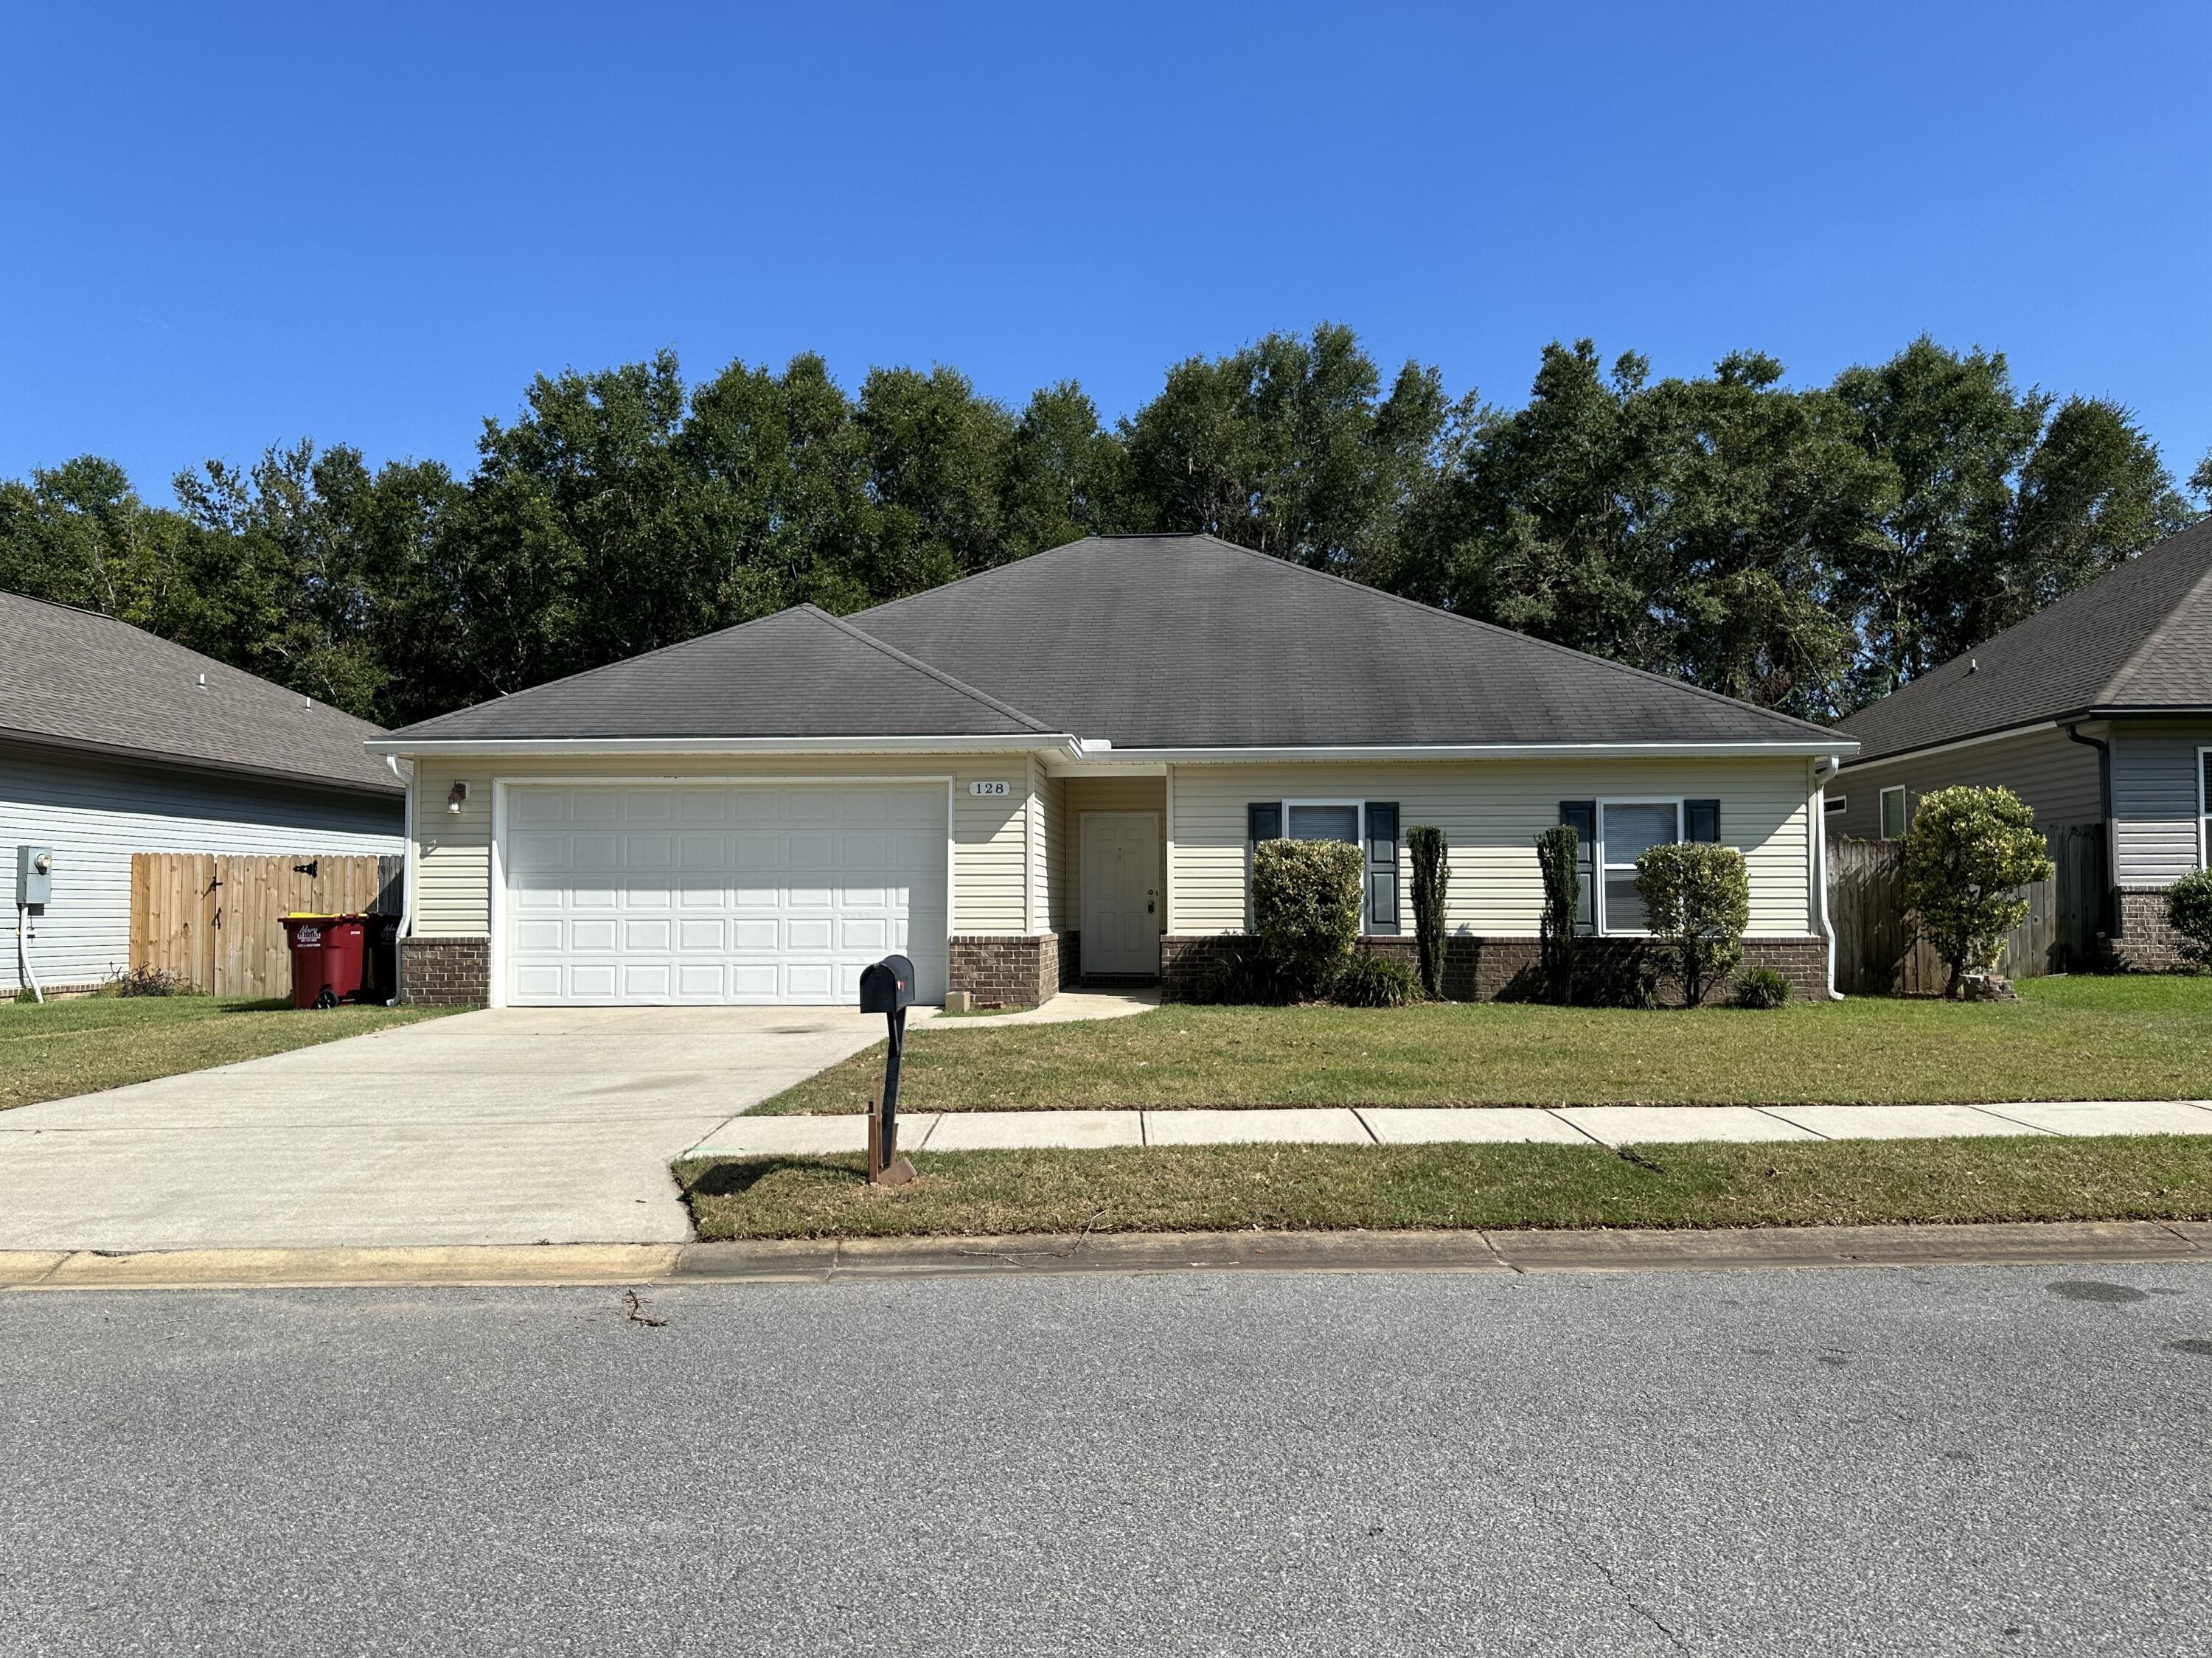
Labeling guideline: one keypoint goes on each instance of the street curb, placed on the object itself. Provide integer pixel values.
(875, 1259)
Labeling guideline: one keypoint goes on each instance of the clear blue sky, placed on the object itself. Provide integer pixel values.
(227, 227)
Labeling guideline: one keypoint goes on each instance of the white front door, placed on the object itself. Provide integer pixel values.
(720, 893)
(1121, 892)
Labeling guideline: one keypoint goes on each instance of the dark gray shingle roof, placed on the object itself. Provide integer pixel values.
(2138, 637)
(801, 672)
(1189, 642)
(1171, 642)
(75, 678)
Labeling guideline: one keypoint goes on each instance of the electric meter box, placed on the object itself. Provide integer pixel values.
(34, 876)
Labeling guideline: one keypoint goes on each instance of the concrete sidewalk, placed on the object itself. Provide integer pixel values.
(1577, 1125)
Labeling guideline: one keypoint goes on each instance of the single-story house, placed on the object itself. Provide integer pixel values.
(1056, 770)
(2096, 710)
(113, 740)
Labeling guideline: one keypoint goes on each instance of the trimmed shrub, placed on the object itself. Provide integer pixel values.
(2189, 912)
(1761, 987)
(1305, 908)
(1558, 850)
(1697, 898)
(1372, 981)
(1431, 879)
(1968, 853)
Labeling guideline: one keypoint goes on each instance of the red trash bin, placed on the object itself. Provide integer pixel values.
(329, 956)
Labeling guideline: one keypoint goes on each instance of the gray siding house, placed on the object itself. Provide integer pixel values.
(112, 741)
(2095, 710)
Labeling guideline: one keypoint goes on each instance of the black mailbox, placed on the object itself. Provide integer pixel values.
(888, 987)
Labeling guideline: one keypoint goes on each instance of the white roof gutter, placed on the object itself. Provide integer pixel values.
(1094, 750)
(571, 747)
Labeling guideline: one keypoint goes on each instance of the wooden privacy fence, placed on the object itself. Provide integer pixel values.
(1875, 952)
(217, 922)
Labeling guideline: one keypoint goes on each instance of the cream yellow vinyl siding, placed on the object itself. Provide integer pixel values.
(1109, 794)
(1054, 904)
(1489, 811)
(990, 833)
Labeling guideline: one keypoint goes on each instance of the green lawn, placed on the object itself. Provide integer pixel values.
(2139, 1037)
(1302, 1187)
(79, 1046)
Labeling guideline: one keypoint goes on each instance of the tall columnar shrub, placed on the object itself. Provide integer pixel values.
(1968, 853)
(1305, 908)
(1697, 899)
(2188, 912)
(1431, 878)
(1558, 853)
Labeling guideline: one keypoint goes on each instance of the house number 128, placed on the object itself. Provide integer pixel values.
(987, 789)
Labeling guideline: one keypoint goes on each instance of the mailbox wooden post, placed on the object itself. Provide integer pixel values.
(887, 988)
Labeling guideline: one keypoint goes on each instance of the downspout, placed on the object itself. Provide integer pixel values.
(1820, 864)
(2103, 748)
(406, 874)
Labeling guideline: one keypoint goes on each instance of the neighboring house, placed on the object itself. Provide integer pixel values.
(2095, 710)
(112, 741)
(1056, 770)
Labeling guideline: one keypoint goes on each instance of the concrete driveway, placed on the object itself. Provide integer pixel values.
(514, 1125)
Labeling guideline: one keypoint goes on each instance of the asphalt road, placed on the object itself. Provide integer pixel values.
(1861, 1461)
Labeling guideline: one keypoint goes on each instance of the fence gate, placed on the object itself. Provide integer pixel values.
(1876, 954)
(215, 921)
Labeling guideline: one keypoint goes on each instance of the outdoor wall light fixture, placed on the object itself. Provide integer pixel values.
(455, 795)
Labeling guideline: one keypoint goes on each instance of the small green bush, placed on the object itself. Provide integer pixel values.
(1761, 987)
(1432, 882)
(1371, 981)
(1305, 908)
(1968, 853)
(1238, 974)
(1698, 896)
(2189, 912)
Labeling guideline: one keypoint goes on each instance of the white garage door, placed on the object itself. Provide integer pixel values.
(756, 894)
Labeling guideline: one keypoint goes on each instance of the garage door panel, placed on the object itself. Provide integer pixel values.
(647, 981)
(753, 895)
(692, 934)
(812, 983)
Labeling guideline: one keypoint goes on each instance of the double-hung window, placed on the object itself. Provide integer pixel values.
(1371, 825)
(1626, 830)
(1892, 813)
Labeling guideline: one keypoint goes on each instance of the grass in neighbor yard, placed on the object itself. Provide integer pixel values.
(2142, 1037)
(1394, 1188)
(88, 1044)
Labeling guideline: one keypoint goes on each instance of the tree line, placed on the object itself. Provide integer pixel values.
(1807, 548)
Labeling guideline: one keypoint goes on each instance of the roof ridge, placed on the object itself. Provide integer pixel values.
(920, 667)
(1514, 634)
(2110, 691)
(586, 673)
(996, 569)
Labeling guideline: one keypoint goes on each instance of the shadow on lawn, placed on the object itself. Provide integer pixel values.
(737, 1179)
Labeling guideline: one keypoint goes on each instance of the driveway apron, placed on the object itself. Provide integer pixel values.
(509, 1126)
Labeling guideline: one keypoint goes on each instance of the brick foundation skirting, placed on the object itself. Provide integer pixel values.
(1019, 971)
(2145, 942)
(1511, 969)
(1071, 959)
(444, 972)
